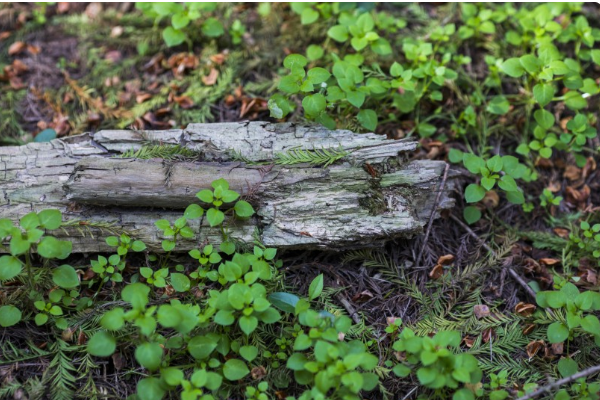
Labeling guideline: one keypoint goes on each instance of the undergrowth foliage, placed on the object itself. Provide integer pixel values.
(507, 92)
(362, 69)
(220, 325)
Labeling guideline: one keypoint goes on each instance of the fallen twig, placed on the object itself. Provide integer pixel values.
(560, 382)
(512, 272)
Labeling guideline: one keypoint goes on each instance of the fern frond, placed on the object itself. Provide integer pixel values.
(544, 240)
(59, 375)
(322, 157)
(166, 152)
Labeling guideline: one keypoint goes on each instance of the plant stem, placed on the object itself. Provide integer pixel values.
(29, 270)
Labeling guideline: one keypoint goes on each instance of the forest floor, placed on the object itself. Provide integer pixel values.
(70, 68)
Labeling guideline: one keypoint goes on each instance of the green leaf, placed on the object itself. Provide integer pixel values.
(314, 104)
(180, 282)
(368, 119)
(314, 52)
(381, 46)
(278, 105)
(531, 63)
(474, 193)
(308, 16)
(575, 101)
(50, 247)
(508, 184)
(543, 93)
(227, 247)
(201, 347)
(18, 245)
(590, 324)
(162, 224)
(513, 67)
(41, 319)
(515, 197)
(50, 219)
(173, 37)
(495, 164)
(65, 276)
(235, 369)
(473, 163)
(316, 287)
(248, 324)
(9, 316)
(212, 27)
(150, 389)
(112, 241)
(595, 54)
(284, 301)
(425, 129)
(471, 214)
(180, 21)
(249, 352)
(339, 33)
(149, 355)
(172, 375)
(138, 246)
(194, 211)
(557, 332)
(499, 105)
(295, 61)
(396, 70)
(215, 217)
(544, 118)
(205, 196)
(30, 221)
(567, 367)
(243, 209)
(10, 266)
(102, 344)
(318, 75)
(113, 320)
(463, 394)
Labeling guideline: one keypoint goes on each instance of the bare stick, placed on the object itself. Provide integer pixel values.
(560, 382)
(512, 272)
(350, 309)
(433, 210)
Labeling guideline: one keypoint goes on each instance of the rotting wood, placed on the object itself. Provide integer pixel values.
(298, 206)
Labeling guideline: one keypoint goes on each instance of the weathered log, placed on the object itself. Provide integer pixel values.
(298, 206)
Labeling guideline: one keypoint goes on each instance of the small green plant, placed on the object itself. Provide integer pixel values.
(496, 384)
(547, 198)
(25, 239)
(497, 171)
(108, 269)
(587, 240)
(259, 392)
(331, 365)
(182, 16)
(124, 243)
(437, 367)
(580, 389)
(577, 307)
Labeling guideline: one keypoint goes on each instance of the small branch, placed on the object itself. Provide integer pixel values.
(512, 272)
(433, 210)
(560, 382)
(349, 309)
(473, 234)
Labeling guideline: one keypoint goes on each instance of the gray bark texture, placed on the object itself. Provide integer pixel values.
(371, 195)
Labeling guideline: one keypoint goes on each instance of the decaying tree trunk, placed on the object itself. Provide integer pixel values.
(369, 196)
